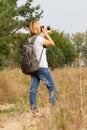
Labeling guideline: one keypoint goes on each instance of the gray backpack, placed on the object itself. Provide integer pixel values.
(28, 61)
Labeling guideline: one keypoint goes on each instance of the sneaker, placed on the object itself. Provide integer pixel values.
(37, 114)
(53, 97)
(35, 111)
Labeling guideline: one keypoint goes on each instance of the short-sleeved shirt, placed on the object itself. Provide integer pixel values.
(38, 47)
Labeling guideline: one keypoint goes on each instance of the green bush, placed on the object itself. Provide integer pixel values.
(55, 57)
(2, 61)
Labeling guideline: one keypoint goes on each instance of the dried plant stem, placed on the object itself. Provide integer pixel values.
(81, 93)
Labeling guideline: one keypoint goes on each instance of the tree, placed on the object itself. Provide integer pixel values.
(7, 12)
(27, 12)
(78, 40)
(84, 48)
(63, 42)
(12, 18)
(55, 57)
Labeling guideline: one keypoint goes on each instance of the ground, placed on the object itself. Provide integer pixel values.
(24, 121)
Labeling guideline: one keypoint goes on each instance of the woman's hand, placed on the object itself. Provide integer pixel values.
(44, 30)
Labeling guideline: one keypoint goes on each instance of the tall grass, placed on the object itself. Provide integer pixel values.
(70, 111)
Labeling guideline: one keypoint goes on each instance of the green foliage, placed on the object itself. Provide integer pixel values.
(55, 57)
(28, 12)
(2, 61)
(12, 18)
(80, 44)
(78, 40)
(4, 51)
(4, 46)
(17, 41)
(64, 52)
(10, 13)
(7, 14)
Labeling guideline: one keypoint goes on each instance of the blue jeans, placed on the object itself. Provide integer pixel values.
(44, 75)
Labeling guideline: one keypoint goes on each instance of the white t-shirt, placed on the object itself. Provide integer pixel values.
(38, 46)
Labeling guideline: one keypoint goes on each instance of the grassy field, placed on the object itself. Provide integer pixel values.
(70, 113)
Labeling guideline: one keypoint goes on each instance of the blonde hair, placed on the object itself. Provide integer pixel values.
(34, 27)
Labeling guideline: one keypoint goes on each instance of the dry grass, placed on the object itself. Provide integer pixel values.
(14, 88)
(13, 85)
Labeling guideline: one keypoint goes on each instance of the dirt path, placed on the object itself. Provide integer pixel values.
(11, 124)
(22, 122)
(25, 121)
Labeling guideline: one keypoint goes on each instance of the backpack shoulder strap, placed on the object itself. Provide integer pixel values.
(33, 39)
(41, 55)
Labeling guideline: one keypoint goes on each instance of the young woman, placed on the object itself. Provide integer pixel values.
(43, 73)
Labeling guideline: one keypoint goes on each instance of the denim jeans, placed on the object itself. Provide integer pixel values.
(44, 75)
